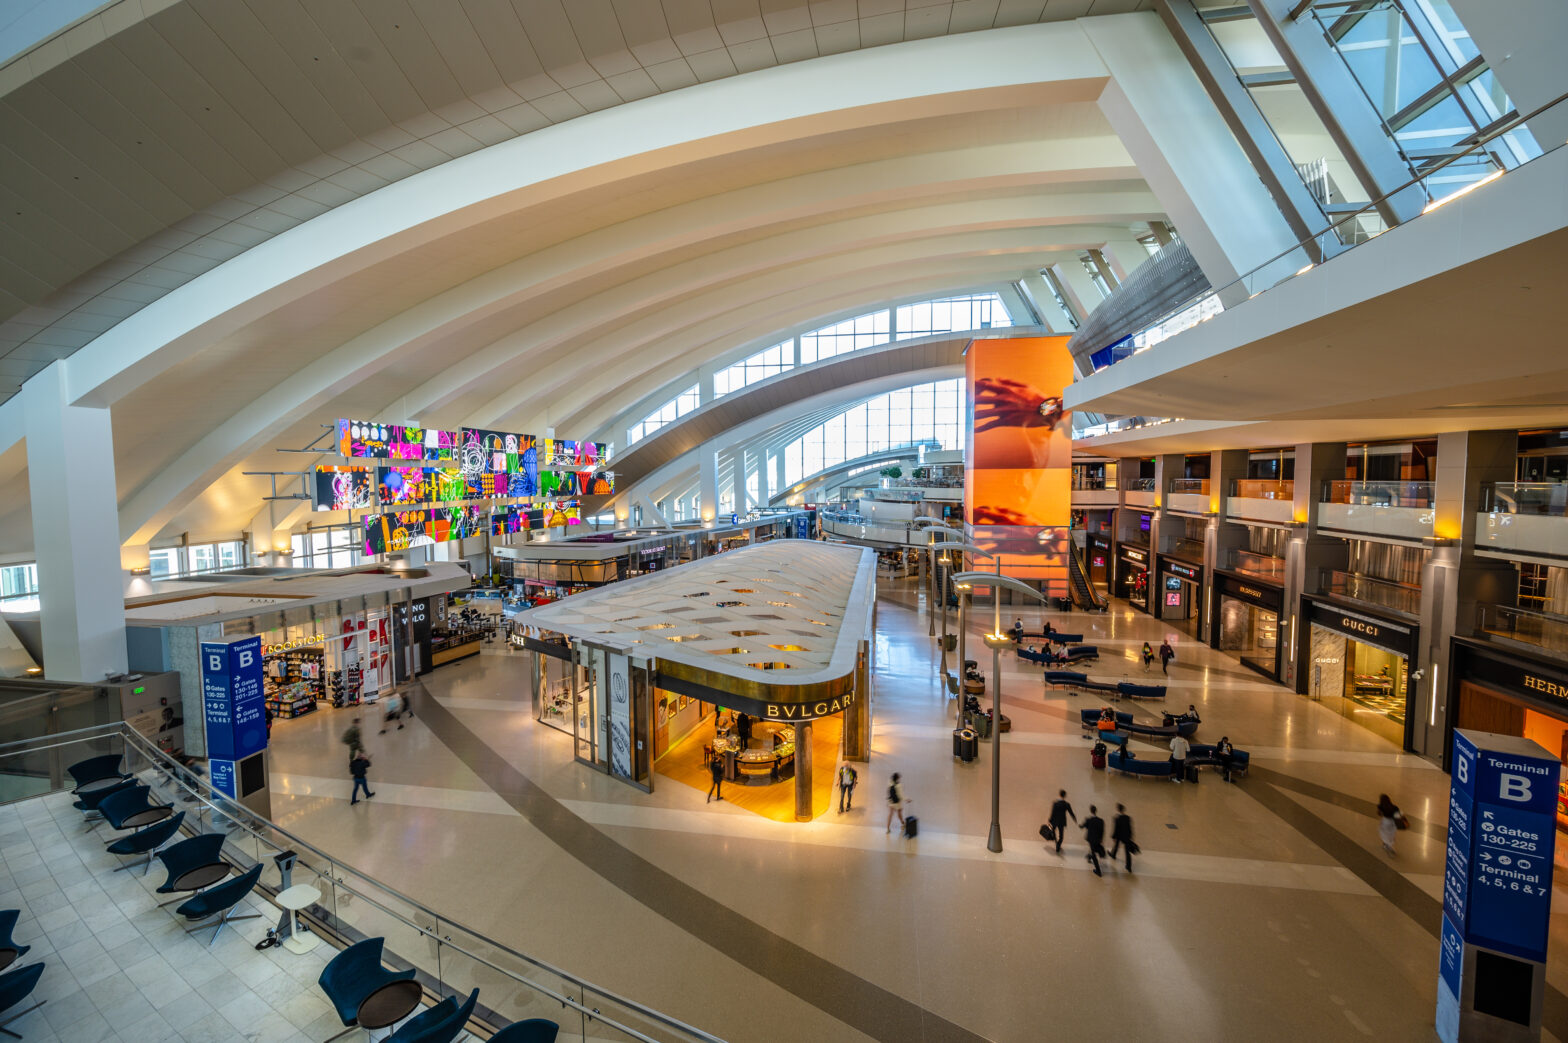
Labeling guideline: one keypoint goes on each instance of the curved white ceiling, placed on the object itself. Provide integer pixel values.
(552, 279)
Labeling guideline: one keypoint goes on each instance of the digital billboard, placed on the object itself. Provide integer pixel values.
(362, 439)
(400, 530)
(343, 488)
(1018, 468)
(397, 485)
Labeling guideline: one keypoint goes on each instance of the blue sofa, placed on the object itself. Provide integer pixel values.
(1063, 639)
(1091, 717)
(1203, 756)
(1141, 691)
(1079, 653)
(1154, 767)
(1067, 679)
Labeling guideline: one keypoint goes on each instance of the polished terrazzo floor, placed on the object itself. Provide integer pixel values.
(1254, 908)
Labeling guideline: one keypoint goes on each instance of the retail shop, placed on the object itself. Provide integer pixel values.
(1246, 622)
(1359, 663)
(1493, 689)
(753, 664)
(1098, 547)
(1132, 576)
(1180, 597)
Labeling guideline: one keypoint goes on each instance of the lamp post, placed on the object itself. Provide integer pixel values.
(945, 547)
(997, 640)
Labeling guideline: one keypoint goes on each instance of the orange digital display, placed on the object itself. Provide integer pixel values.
(1018, 471)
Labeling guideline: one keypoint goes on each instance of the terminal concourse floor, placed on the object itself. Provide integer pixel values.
(1255, 907)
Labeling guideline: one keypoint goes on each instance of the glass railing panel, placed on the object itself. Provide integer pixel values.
(1190, 485)
(1262, 488)
(1378, 493)
(1548, 498)
(1263, 566)
(1385, 593)
(1140, 485)
(1185, 548)
(1542, 629)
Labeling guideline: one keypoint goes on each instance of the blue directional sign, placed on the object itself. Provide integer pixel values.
(221, 773)
(1497, 884)
(233, 700)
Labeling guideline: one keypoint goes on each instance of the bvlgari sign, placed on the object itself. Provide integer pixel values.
(807, 711)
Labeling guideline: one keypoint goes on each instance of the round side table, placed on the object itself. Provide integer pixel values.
(300, 896)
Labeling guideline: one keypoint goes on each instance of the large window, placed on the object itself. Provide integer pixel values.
(863, 331)
(196, 559)
(337, 547)
(764, 364)
(926, 412)
(671, 411)
(978, 312)
(18, 581)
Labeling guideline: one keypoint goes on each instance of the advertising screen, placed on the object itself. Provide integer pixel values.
(343, 488)
(558, 483)
(1018, 471)
(400, 530)
(362, 438)
(531, 519)
(496, 452)
(403, 485)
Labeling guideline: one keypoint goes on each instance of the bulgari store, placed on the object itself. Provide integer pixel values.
(1510, 692)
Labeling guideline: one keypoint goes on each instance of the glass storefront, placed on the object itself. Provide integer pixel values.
(1099, 549)
(1132, 576)
(1246, 623)
(1181, 598)
(1359, 665)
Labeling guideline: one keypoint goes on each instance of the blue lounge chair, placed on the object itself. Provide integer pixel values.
(146, 841)
(95, 769)
(129, 808)
(442, 1023)
(220, 901)
(193, 863)
(15, 987)
(89, 803)
(354, 978)
(534, 1030)
(10, 949)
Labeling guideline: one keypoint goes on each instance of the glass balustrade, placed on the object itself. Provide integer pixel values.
(1399, 597)
(1262, 566)
(1377, 494)
(1190, 485)
(1548, 498)
(451, 958)
(1263, 488)
(1542, 629)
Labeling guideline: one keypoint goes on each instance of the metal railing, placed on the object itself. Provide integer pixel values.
(1542, 629)
(1263, 566)
(1399, 597)
(1139, 485)
(1550, 498)
(1190, 485)
(451, 958)
(1327, 243)
(1377, 494)
(1263, 488)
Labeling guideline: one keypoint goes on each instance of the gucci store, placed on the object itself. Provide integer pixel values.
(1132, 576)
(1495, 689)
(1246, 622)
(1360, 664)
(1180, 597)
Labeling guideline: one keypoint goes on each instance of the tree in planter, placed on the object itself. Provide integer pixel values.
(892, 472)
(919, 472)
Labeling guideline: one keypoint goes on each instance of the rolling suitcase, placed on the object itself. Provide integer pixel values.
(911, 825)
(1192, 774)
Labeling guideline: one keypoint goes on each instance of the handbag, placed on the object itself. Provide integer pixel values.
(1400, 822)
(1047, 832)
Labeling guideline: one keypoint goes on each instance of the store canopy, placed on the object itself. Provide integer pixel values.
(788, 614)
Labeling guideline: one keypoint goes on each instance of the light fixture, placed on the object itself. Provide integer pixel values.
(142, 570)
(34, 671)
(1471, 187)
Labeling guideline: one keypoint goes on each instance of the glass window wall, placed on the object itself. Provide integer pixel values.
(685, 402)
(926, 412)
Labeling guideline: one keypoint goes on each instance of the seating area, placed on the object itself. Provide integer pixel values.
(1126, 762)
(1115, 689)
(1204, 757)
(89, 953)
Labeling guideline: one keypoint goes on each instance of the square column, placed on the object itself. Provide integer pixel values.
(76, 531)
(708, 482)
(1307, 553)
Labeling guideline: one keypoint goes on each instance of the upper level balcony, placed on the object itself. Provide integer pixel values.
(1261, 566)
(1524, 520)
(1541, 629)
(1400, 510)
(1267, 500)
(1139, 492)
(1186, 549)
(1189, 496)
(1397, 597)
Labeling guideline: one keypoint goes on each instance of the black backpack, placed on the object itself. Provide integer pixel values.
(892, 794)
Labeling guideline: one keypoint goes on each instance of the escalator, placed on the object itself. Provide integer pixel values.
(1084, 594)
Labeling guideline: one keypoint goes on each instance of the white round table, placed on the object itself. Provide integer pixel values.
(300, 896)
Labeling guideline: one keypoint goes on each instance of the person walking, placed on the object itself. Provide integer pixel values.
(1167, 653)
(895, 802)
(1179, 748)
(1148, 656)
(1389, 822)
(1094, 834)
(716, 769)
(394, 712)
(1061, 811)
(1121, 835)
(847, 777)
(352, 739)
(358, 765)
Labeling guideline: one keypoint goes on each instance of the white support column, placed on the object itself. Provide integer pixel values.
(1075, 280)
(1186, 153)
(652, 515)
(708, 481)
(1045, 304)
(775, 476)
(76, 531)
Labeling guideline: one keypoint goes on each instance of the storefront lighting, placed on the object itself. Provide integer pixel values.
(1471, 187)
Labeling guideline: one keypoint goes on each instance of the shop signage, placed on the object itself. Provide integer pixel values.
(221, 773)
(1132, 554)
(1519, 677)
(1267, 597)
(1391, 636)
(233, 702)
(619, 670)
(1497, 885)
(1186, 571)
(807, 711)
(289, 646)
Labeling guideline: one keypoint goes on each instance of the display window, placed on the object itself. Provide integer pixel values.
(1250, 633)
(1179, 599)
